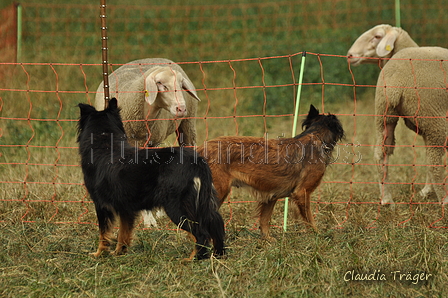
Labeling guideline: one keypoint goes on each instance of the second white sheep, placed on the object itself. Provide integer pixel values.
(412, 85)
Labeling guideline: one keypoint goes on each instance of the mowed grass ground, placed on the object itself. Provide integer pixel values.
(46, 238)
(52, 260)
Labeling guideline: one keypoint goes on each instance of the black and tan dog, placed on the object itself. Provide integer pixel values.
(123, 180)
(275, 168)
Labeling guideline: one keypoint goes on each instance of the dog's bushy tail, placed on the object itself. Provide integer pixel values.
(206, 210)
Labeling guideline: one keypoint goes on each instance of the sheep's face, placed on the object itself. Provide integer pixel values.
(164, 90)
(368, 46)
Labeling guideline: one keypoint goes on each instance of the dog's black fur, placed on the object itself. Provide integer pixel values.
(123, 180)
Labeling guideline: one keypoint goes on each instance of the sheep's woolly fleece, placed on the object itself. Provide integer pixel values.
(412, 86)
(130, 84)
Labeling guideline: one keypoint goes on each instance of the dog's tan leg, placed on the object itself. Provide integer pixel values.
(104, 244)
(266, 210)
(193, 253)
(124, 236)
(191, 257)
(191, 236)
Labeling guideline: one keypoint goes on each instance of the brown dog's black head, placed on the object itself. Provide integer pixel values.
(328, 124)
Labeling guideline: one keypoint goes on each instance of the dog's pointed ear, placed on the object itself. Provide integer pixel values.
(313, 112)
(86, 109)
(113, 105)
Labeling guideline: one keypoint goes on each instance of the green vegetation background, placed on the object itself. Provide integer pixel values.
(189, 31)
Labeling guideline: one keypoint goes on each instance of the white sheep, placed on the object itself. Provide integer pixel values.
(411, 85)
(148, 90)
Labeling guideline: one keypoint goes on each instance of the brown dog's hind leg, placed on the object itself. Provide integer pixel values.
(266, 209)
(222, 182)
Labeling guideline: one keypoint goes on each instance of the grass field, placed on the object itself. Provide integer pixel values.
(50, 260)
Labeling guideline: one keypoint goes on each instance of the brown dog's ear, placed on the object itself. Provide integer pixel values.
(311, 117)
(313, 112)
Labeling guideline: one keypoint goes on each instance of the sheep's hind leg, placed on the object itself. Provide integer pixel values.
(386, 195)
(385, 148)
(441, 190)
(436, 172)
(429, 188)
(149, 219)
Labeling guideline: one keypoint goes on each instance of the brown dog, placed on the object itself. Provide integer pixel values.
(275, 168)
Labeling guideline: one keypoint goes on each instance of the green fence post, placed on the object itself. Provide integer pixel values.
(397, 14)
(19, 33)
(294, 126)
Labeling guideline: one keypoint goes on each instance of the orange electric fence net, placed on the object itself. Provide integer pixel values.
(41, 179)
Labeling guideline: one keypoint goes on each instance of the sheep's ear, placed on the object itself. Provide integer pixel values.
(151, 90)
(387, 44)
(188, 86)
